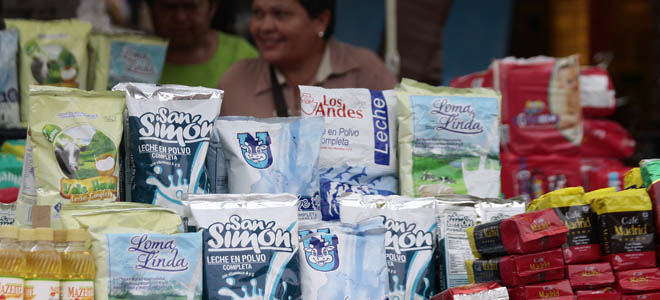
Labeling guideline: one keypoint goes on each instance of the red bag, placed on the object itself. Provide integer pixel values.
(638, 281)
(607, 293)
(531, 264)
(595, 173)
(596, 92)
(516, 270)
(646, 296)
(480, 291)
(541, 112)
(521, 234)
(476, 79)
(557, 290)
(590, 276)
(533, 176)
(517, 293)
(604, 138)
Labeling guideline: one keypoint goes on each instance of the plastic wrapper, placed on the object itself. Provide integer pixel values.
(359, 143)
(448, 140)
(409, 241)
(650, 173)
(638, 281)
(477, 291)
(597, 95)
(519, 234)
(74, 152)
(530, 177)
(274, 155)
(494, 209)
(51, 53)
(9, 93)
(166, 141)
(250, 245)
(105, 226)
(473, 80)
(603, 172)
(573, 209)
(604, 138)
(590, 276)
(344, 261)
(626, 228)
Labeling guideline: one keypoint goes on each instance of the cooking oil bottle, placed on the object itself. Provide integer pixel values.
(44, 266)
(59, 240)
(78, 268)
(12, 264)
(26, 239)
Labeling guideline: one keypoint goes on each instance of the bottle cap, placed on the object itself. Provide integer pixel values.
(76, 235)
(44, 234)
(26, 234)
(59, 235)
(8, 232)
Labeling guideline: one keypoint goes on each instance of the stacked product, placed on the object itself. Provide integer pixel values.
(546, 144)
(523, 253)
(587, 275)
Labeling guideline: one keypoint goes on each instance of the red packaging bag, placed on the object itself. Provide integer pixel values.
(541, 112)
(516, 293)
(605, 138)
(472, 80)
(626, 229)
(607, 293)
(535, 267)
(477, 291)
(638, 281)
(597, 95)
(645, 296)
(606, 177)
(573, 209)
(556, 290)
(533, 176)
(521, 234)
(590, 276)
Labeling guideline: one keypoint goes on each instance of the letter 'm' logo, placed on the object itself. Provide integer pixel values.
(256, 151)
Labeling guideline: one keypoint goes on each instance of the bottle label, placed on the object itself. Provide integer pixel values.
(81, 290)
(11, 288)
(37, 289)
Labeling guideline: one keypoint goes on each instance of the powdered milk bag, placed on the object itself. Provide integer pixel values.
(168, 140)
(250, 245)
(358, 149)
(343, 261)
(454, 214)
(9, 113)
(448, 140)
(409, 241)
(274, 155)
(73, 140)
(51, 53)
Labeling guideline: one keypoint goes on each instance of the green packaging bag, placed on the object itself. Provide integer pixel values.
(51, 53)
(448, 140)
(74, 138)
(104, 225)
(69, 210)
(134, 57)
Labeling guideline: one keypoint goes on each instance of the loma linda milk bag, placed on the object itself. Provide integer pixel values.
(448, 140)
(358, 149)
(250, 245)
(409, 240)
(169, 128)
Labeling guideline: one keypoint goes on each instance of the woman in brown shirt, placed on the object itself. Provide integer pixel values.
(296, 48)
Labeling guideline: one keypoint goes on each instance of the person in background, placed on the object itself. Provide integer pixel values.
(294, 38)
(197, 55)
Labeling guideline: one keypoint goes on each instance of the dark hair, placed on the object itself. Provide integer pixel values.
(315, 8)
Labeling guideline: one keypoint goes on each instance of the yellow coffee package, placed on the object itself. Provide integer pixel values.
(141, 224)
(633, 179)
(75, 137)
(573, 209)
(51, 53)
(591, 196)
(625, 221)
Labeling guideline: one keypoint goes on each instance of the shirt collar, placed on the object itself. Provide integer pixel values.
(322, 73)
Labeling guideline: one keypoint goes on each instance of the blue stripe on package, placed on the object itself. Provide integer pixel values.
(169, 129)
(274, 155)
(358, 149)
(155, 265)
(250, 245)
(9, 111)
(343, 261)
(409, 241)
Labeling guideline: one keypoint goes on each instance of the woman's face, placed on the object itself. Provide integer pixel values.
(284, 32)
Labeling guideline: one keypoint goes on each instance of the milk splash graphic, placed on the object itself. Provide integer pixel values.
(255, 294)
(398, 291)
(168, 195)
